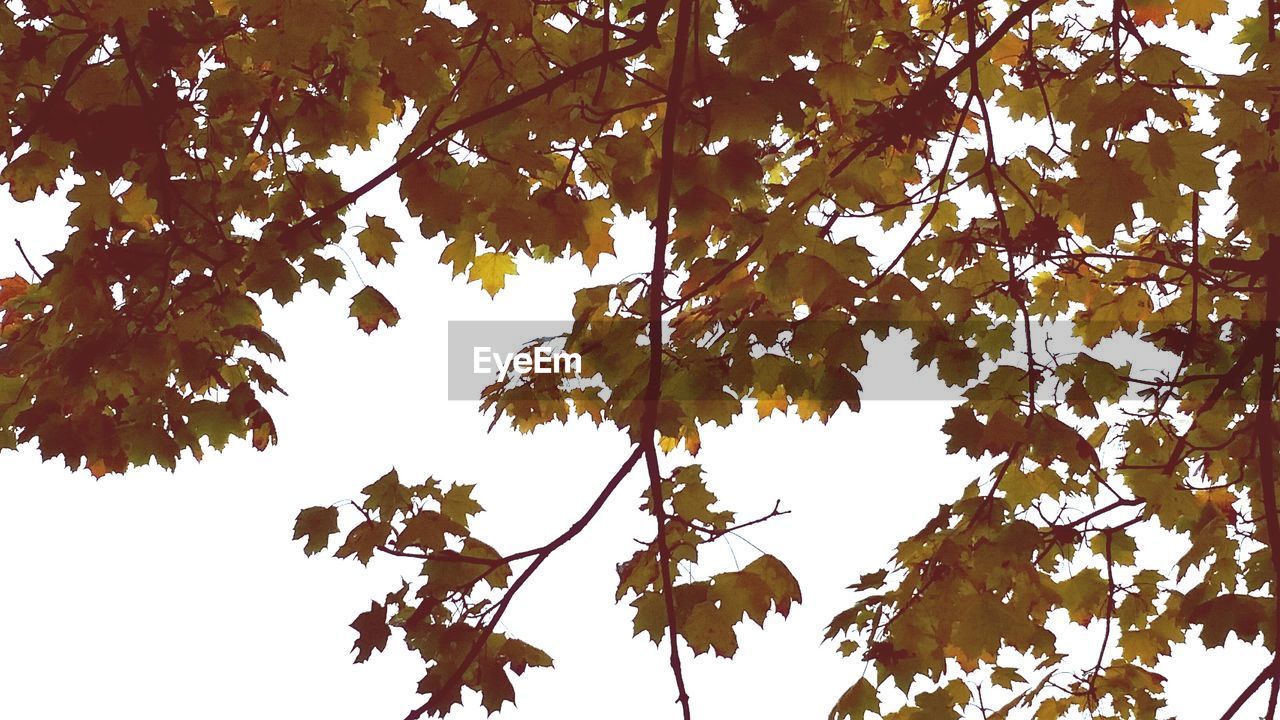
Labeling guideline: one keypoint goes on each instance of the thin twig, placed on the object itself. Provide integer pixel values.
(38, 274)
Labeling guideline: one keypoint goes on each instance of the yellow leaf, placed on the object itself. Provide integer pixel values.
(492, 269)
(766, 402)
(1008, 50)
(599, 241)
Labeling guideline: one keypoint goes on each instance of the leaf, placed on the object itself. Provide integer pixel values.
(316, 524)
(12, 287)
(709, 628)
(426, 529)
(324, 271)
(496, 576)
(842, 82)
(743, 594)
(376, 241)
(857, 702)
(373, 631)
(784, 589)
(599, 241)
(1103, 193)
(1005, 677)
(650, 617)
(1245, 616)
(1199, 12)
(521, 656)
(363, 540)
(458, 506)
(492, 269)
(31, 171)
(138, 209)
(371, 309)
(769, 402)
(1084, 595)
(387, 496)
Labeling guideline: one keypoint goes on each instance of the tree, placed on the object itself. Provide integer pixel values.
(1042, 161)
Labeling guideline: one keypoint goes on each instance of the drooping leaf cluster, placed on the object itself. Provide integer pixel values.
(818, 175)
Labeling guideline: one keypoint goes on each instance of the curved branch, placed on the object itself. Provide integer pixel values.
(539, 557)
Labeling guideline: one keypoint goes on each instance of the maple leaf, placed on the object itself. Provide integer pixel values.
(373, 631)
(491, 270)
(387, 496)
(768, 402)
(1155, 12)
(316, 524)
(1199, 12)
(377, 241)
(1103, 193)
(598, 239)
(426, 529)
(325, 271)
(709, 628)
(363, 540)
(371, 309)
(856, 702)
(784, 589)
(457, 505)
(29, 172)
(1226, 614)
(12, 287)
(138, 209)
(521, 656)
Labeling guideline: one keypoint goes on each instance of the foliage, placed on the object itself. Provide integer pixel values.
(1043, 161)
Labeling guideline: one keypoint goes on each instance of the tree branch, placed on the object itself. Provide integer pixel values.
(66, 76)
(941, 81)
(455, 679)
(1264, 427)
(653, 390)
(23, 252)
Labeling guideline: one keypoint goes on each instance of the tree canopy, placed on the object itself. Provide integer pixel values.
(817, 174)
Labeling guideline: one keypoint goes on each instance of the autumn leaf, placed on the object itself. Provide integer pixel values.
(856, 702)
(491, 270)
(376, 241)
(138, 209)
(371, 309)
(316, 524)
(1103, 193)
(373, 632)
(29, 172)
(769, 402)
(12, 287)
(386, 496)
